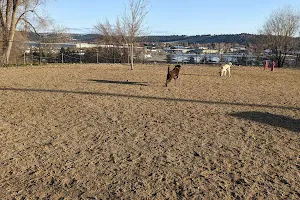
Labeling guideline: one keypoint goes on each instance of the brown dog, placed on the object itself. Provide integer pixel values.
(173, 74)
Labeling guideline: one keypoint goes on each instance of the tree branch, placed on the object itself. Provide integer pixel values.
(21, 16)
(27, 22)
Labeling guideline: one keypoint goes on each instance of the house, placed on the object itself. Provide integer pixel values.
(238, 49)
(177, 49)
(210, 51)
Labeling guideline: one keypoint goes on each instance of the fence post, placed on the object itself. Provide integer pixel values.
(62, 57)
(24, 58)
(97, 57)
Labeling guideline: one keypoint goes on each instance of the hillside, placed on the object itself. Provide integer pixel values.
(242, 38)
(232, 38)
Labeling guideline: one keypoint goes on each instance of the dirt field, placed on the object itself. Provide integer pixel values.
(105, 132)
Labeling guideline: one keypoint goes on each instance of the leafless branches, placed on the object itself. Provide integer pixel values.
(127, 27)
(279, 31)
(17, 14)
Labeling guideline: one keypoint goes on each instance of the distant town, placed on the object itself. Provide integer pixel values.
(240, 49)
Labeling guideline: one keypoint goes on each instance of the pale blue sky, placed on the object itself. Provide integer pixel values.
(171, 17)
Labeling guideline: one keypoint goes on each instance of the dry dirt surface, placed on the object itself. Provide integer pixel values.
(105, 132)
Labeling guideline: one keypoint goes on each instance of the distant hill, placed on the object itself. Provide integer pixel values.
(85, 37)
(242, 38)
(71, 36)
(203, 39)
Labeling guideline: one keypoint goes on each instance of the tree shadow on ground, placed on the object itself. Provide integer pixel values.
(270, 119)
(147, 97)
(120, 82)
(200, 75)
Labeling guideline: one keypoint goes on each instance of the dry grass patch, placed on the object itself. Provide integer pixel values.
(105, 132)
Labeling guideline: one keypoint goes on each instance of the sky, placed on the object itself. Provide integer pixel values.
(170, 17)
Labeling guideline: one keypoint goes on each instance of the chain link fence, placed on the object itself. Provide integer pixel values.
(36, 53)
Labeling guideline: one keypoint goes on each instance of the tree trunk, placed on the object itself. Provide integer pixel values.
(131, 56)
(279, 58)
(7, 46)
(9, 29)
(4, 52)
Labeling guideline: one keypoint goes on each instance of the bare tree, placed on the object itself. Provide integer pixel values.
(279, 32)
(128, 27)
(133, 21)
(18, 47)
(111, 36)
(14, 14)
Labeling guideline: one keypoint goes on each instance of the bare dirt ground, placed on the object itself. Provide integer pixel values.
(105, 132)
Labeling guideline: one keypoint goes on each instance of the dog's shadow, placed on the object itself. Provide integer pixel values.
(270, 119)
(119, 82)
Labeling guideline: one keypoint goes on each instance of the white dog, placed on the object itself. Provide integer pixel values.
(225, 69)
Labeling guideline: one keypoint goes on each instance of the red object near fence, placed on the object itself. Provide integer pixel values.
(266, 65)
(273, 66)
